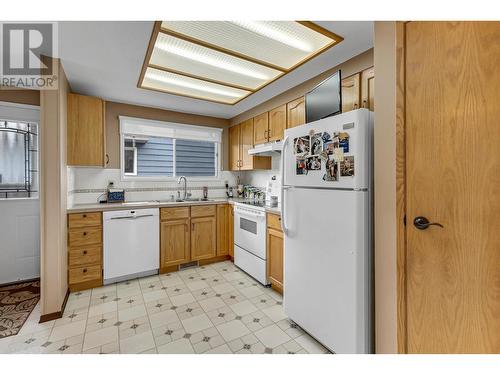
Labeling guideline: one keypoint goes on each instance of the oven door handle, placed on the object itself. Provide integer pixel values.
(251, 216)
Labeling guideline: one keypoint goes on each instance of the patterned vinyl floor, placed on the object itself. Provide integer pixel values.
(211, 309)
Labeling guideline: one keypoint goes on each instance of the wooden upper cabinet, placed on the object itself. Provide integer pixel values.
(246, 143)
(351, 92)
(203, 237)
(261, 128)
(234, 148)
(174, 242)
(296, 112)
(277, 123)
(368, 88)
(85, 131)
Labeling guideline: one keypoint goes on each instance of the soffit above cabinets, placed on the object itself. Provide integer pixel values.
(226, 61)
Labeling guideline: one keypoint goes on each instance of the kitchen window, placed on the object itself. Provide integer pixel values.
(156, 150)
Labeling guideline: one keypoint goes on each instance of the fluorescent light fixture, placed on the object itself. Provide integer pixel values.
(156, 76)
(203, 58)
(272, 32)
(226, 61)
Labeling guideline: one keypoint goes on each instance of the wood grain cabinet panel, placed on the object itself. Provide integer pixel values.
(261, 128)
(277, 123)
(203, 237)
(84, 220)
(351, 92)
(368, 88)
(223, 217)
(84, 250)
(205, 210)
(234, 148)
(174, 243)
(296, 113)
(85, 236)
(231, 231)
(171, 213)
(246, 144)
(275, 258)
(85, 131)
(274, 221)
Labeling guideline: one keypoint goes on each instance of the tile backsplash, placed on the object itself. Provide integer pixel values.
(86, 185)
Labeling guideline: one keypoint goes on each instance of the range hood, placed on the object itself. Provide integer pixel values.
(267, 149)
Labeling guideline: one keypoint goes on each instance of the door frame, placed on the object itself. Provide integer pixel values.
(401, 249)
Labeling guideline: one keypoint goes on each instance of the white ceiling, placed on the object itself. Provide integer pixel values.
(105, 59)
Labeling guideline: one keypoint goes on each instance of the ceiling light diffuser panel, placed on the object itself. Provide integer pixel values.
(225, 61)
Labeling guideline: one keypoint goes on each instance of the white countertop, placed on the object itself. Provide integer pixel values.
(154, 203)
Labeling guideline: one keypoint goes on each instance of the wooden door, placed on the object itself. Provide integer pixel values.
(277, 123)
(275, 258)
(453, 178)
(246, 143)
(231, 231)
(296, 113)
(203, 237)
(234, 148)
(85, 131)
(368, 88)
(174, 243)
(261, 128)
(351, 92)
(222, 229)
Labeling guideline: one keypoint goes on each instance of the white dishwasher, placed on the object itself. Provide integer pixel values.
(131, 244)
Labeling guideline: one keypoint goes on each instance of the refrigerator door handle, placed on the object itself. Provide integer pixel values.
(283, 187)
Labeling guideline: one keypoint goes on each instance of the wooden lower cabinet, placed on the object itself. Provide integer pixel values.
(275, 262)
(223, 217)
(203, 238)
(175, 243)
(84, 250)
(231, 231)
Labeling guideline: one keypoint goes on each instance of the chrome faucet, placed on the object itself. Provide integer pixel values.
(185, 186)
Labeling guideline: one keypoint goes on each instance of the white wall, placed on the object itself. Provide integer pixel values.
(259, 178)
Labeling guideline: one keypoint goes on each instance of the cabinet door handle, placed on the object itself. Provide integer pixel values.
(84, 215)
(84, 233)
(187, 227)
(107, 159)
(84, 252)
(84, 270)
(192, 226)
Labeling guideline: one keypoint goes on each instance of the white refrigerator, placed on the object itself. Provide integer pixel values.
(326, 213)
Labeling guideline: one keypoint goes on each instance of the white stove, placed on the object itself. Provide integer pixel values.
(250, 239)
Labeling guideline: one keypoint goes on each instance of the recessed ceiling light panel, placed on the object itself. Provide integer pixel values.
(178, 55)
(225, 61)
(186, 86)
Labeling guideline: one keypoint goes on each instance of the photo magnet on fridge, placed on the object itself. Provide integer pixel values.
(338, 154)
(344, 141)
(301, 145)
(335, 140)
(313, 163)
(347, 166)
(328, 147)
(316, 144)
(332, 168)
(300, 166)
(326, 137)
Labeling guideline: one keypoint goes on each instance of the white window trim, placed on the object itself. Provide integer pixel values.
(133, 148)
(131, 126)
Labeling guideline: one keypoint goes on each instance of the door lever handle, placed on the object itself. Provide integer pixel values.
(422, 223)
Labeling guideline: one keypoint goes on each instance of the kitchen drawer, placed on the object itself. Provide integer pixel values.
(85, 237)
(84, 274)
(84, 255)
(174, 213)
(274, 221)
(202, 211)
(85, 219)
